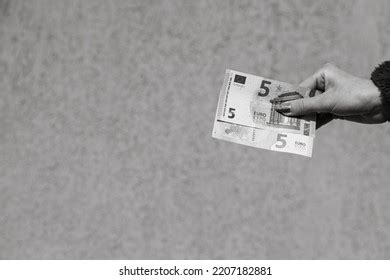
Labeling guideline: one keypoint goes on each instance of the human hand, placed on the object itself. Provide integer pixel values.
(344, 97)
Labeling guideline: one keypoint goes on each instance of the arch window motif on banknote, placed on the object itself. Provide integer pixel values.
(279, 120)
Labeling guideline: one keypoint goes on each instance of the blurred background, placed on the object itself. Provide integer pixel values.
(106, 113)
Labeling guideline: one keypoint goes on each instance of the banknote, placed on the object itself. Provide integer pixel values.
(246, 114)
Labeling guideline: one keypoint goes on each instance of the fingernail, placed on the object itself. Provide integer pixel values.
(283, 108)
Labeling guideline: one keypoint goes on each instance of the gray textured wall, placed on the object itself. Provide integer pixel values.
(106, 113)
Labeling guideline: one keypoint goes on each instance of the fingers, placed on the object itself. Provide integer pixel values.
(304, 106)
(324, 80)
(311, 82)
(319, 79)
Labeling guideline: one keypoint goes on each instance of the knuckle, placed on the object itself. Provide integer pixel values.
(299, 106)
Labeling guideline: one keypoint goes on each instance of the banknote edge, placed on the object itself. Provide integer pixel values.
(309, 154)
(222, 97)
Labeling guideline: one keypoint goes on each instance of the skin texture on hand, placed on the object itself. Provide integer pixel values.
(344, 97)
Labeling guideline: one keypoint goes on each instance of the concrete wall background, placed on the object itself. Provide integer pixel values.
(106, 112)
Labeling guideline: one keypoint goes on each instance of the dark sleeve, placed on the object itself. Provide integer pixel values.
(381, 78)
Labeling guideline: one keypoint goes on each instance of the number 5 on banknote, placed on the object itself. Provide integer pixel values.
(264, 86)
(280, 139)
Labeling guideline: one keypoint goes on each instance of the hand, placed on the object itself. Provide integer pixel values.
(344, 97)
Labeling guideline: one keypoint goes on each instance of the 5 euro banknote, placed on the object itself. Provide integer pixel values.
(246, 114)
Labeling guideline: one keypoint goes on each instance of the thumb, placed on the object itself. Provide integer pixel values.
(304, 106)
